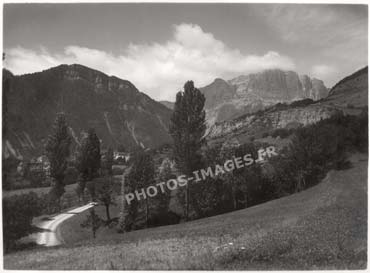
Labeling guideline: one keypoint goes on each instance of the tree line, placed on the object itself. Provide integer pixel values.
(313, 150)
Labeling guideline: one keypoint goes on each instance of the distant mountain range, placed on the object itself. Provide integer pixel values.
(117, 110)
(123, 116)
(349, 96)
(249, 93)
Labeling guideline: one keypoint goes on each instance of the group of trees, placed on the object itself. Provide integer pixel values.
(234, 190)
(90, 171)
(148, 211)
(187, 129)
(140, 176)
(88, 159)
(317, 148)
(313, 151)
(94, 175)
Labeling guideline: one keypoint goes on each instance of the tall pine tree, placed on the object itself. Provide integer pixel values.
(88, 159)
(141, 176)
(58, 151)
(187, 129)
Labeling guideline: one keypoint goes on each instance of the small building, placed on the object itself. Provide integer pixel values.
(40, 165)
(121, 155)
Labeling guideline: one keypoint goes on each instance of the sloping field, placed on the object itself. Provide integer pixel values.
(324, 227)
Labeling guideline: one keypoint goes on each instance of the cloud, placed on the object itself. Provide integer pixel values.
(322, 71)
(337, 34)
(160, 70)
(317, 24)
(335, 30)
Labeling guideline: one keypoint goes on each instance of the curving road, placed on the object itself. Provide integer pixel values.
(50, 236)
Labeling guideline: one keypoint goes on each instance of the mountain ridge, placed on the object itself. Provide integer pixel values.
(120, 113)
(256, 91)
(349, 96)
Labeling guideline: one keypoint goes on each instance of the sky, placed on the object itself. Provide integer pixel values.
(158, 47)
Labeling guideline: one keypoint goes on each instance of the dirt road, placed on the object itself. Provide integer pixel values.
(50, 236)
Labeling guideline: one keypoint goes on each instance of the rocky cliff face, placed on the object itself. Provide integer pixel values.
(120, 113)
(219, 91)
(348, 96)
(249, 93)
(256, 124)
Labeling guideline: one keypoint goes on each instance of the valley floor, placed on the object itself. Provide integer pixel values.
(324, 227)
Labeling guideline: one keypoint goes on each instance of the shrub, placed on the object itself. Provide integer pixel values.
(9, 172)
(36, 178)
(281, 132)
(300, 103)
(71, 176)
(18, 212)
(164, 218)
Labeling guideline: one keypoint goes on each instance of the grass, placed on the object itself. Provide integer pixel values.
(70, 189)
(324, 227)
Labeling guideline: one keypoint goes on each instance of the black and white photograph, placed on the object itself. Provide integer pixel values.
(210, 136)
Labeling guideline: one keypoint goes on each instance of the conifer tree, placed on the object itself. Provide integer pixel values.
(58, 151)
(187, 129)
(140, 177)
(88, 159)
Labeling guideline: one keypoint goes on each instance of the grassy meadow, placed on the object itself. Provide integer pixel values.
(323, 227)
